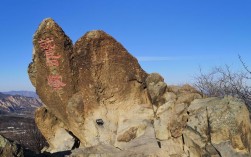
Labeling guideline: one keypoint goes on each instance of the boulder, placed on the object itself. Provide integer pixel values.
(219, 127)
(156, 87)
(94, 79)
(100, 101)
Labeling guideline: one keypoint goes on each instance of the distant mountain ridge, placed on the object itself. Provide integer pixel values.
(22, 93)
(18, 104)
(3, 95)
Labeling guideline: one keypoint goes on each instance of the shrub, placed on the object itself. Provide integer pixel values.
(222, 81)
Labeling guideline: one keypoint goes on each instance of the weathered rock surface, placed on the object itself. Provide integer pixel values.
(219, 127)
(10, 149)
(99, 98)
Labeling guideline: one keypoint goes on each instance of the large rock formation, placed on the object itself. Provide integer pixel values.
(99, 100)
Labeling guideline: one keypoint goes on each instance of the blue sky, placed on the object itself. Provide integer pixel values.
(171, 37)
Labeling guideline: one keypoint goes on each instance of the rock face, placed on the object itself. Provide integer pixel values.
(219, 127)
(99, 100)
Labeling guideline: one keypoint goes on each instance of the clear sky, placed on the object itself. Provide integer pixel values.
(171, 37)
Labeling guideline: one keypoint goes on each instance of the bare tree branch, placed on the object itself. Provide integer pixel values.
(244, 65)
(222, 81)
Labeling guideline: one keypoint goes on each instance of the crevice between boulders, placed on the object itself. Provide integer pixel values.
(77, 141)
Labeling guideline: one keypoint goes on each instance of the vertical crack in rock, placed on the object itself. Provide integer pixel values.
(77, 141)
(183, 142)
(209, 133)
(159, 144)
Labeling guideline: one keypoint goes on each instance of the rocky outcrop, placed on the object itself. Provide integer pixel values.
(10, 149)
(99, 98)
(219, 127)
(84, 83)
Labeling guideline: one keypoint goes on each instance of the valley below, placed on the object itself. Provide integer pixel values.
(17, 121)
(18, 128)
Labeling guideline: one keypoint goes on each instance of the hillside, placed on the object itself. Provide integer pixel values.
(18, 104)
(17, 119)
(22, 93)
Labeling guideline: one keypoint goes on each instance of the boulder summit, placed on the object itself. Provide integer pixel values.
(98, 100)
